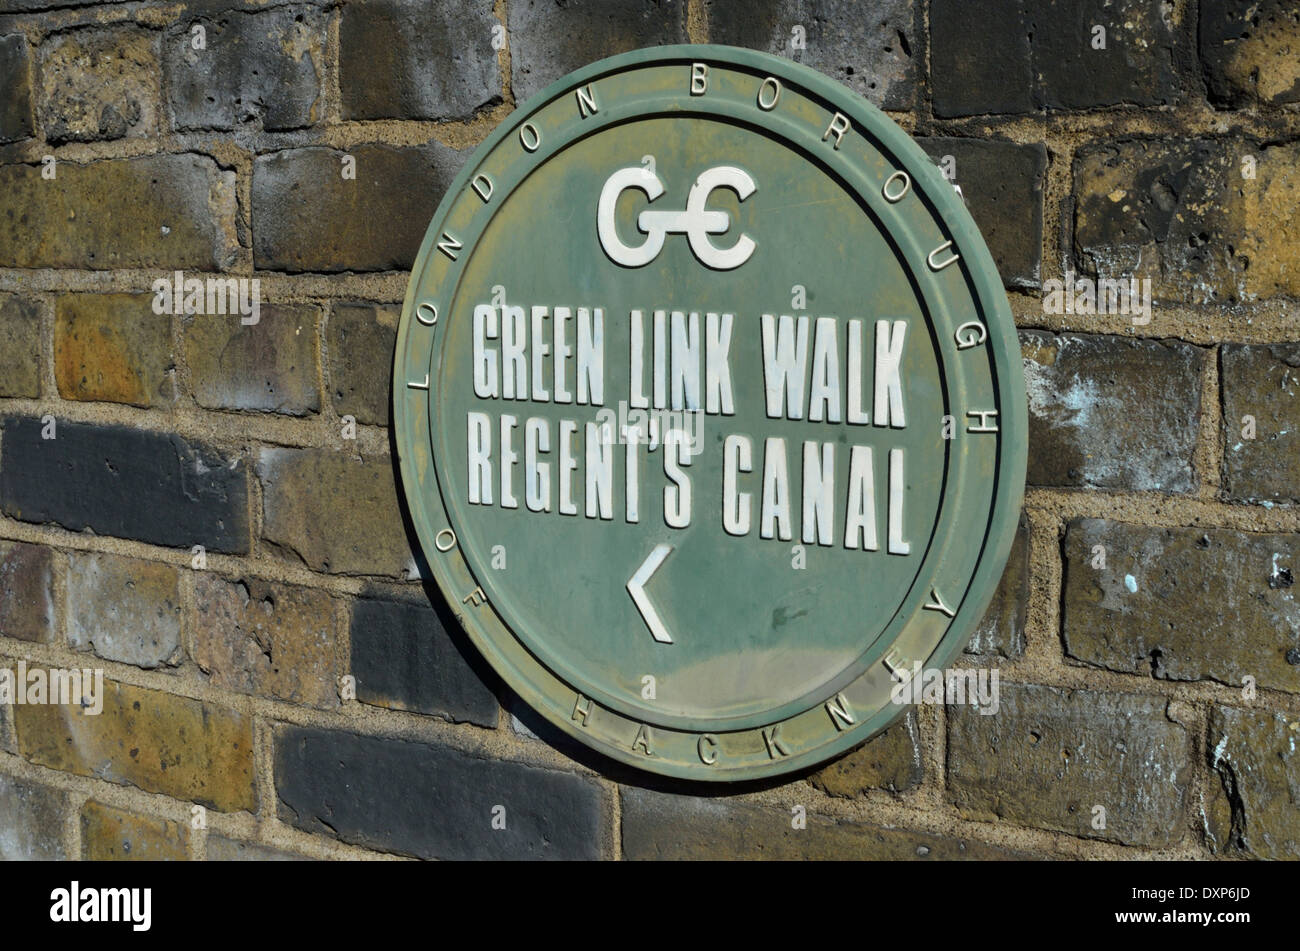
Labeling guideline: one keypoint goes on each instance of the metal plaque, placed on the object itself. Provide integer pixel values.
(709, 411)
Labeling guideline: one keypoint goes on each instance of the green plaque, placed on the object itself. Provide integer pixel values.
(709, 410)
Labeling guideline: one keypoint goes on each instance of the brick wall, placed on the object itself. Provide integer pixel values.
(215, 523)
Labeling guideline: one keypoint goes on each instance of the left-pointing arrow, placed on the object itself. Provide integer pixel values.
(636, 588)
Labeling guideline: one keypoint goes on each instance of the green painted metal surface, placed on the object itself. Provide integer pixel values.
(669, 553)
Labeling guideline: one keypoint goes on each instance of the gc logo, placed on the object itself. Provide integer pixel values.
(695, 222)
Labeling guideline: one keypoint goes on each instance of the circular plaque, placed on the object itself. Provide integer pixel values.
(709, 410)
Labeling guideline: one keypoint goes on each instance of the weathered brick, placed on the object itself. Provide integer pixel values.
(124, 609)
(1112, 412)
(658, 826)
(1205, 221)
(267, 639)
(411, 59)
(1018, 56)
(1002, 183)
(1215, 816)
(269, 366)
(359, 789)
(160, 211)
(260, 67)
(32, 818)
(1250, 51)
(20, 347)
(307, 217)
(1002, 631)
(404, 658)
(1262, 240)
(27, 592)
(890, 760)
(549, 38)
(17, 120)
(156, 741)
(1049, 756)
(1254, 754)
(867, 47)
(360, 339)
(350, 523)
(14, 6)
(114, 348)
(1183, 603)
(1261, 382)
(116, 480)
(221, 849)
(115, 835)
(1146, 61)
(99, 84)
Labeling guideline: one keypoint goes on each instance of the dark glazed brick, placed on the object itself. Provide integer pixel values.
(403, 658)
(115, 480)
(1183, 603)
(16, 118)
(979, 58)
(1019, 56)
(1002, 184)
(1146, 62)
(1110, 412)
(659, 826)
(264, 65)
(550, 38)
(307, 217)
(1250, 50)
(869, 47)
(432, 802)
(416, 59)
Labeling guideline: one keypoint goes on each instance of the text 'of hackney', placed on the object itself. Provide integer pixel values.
(709, 410)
